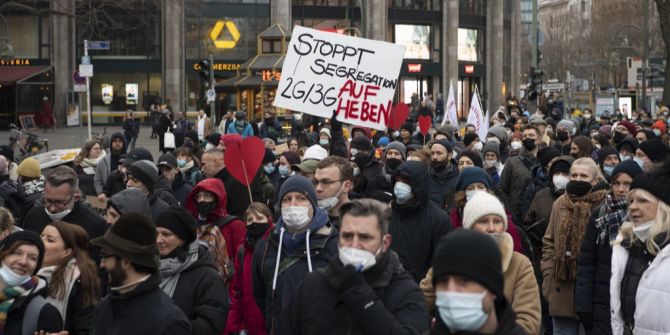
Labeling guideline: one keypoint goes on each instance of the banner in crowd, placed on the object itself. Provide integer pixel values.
(452, 117)
(325, 72)
(476, 115)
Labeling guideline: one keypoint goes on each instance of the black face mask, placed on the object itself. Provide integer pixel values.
(578, 188)
(529, 144)
(361, 159)
(393, 163)
(256, 229)
(439, 165)
(205, 207)
(562, 135)
(618, 137)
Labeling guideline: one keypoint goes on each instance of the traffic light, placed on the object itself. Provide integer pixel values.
(534, 83)
(203, 71)
(536, 76)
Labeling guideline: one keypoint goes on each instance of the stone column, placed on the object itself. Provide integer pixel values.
(377, 19)
(173, 60)
(280, 12)
(449, 47)
(62, 56)
(494, 69)
(515, 58)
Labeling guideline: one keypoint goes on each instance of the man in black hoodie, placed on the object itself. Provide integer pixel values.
(443, 174)
(381, 187)
(417, 224)
(109, 164)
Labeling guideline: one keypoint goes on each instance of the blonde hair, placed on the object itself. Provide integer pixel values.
(661, 225)
(593, 167)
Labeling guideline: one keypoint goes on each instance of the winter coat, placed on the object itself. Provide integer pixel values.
(592, 291)
(560, 294)
(521, 289)
(396, 304)
(293, 266)
(515, 177)
(443, 185)
(457, 222)
(200, 294)
(180, 188)
(131, 201)
(248, 131)
(380, 187)
(81, 215)
(86, 181)
(115, 183)
(234, 230)
(104, 168)
(652, 300)
(417, 226)
(506, 322)
(239, 203)
(273, 130)
(131, 128)
(144, 310)
(157, 205)
(49, 318)
(244, 314)
(338, 144)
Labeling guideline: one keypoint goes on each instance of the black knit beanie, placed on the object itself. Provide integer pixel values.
(474, 157)
(654, 149)
(471, 254)
(146, 172)
(469, 138)
(180, 222)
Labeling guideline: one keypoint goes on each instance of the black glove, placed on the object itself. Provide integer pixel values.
(344, 278)
(587, 320)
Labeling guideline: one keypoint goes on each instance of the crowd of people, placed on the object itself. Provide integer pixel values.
(555, 222)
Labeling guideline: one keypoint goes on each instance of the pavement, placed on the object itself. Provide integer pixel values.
(74, 137)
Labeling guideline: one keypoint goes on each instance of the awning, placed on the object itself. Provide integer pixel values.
(11, 74)
(264, 62)
(244, 82)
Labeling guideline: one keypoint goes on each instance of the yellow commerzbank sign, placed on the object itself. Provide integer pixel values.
(216, 31)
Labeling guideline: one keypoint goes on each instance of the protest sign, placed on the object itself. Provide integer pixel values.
(325, 72)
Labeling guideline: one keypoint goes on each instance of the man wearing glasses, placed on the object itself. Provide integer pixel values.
(333, 180)
(61, 202)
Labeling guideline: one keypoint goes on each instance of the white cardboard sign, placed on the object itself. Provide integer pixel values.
(324, 72)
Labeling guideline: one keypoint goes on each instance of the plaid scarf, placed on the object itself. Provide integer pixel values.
(7, 299)
(610, 218)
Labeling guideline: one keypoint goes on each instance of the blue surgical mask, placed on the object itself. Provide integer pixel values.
(639, 162)
(283, 170)
(461, 311)
(403, 192)
(269, 168)
(624, 157)
(608, 169)
(657, 132)
(323, 141)
(181, 163)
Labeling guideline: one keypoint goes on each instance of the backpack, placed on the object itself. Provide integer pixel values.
(210, 236)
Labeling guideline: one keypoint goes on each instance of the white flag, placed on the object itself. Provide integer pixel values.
(476, 115)
(451, 107)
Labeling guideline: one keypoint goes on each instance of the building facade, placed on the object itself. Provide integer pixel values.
(155, 46)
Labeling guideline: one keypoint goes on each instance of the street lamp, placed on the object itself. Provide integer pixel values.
(7, 52)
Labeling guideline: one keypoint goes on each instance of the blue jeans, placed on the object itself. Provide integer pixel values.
(565, 326)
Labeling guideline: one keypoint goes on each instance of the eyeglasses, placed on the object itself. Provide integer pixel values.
(325, 182)
(56, 203)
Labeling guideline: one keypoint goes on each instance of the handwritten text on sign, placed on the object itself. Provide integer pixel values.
(325, 71)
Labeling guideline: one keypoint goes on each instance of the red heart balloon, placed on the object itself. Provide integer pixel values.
(425, 121)
(399, 114)
(244, 158)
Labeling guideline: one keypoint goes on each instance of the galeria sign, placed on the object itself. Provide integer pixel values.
(324, 71)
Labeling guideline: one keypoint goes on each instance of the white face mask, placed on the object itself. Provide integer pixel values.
(516, 145)
(560, 182)
(357, 171)
(493, 140)
(478, 146)
(403, 192)
(57, 216)
(461, 311)
(209, 146)
(10, 277)
(643, 230)
(490, 163)
(295, 217)
(328, 203)
(624, 157)
(396, 134)
(359, 259)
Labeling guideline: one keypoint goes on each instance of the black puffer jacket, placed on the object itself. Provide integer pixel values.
(144, 310)
(201, 295)
(397, 306)
(592, 290)
(443, 184)
(506, 322)
(417, 226)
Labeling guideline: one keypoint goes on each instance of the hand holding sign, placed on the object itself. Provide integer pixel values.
(244, 158)
(323, 71)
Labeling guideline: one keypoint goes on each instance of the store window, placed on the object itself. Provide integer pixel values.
(272, 46)
(329, 3)
(415, 38)
(417, 4)
(468, 45)
(24, 36)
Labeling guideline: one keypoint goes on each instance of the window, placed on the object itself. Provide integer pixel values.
(271, 46)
